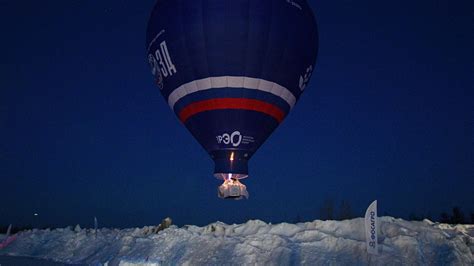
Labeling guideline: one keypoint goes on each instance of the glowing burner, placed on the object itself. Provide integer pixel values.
(232, 189)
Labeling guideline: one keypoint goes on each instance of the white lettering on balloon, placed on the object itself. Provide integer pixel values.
(235, 139)
(293, 3)
(304, 79)
(161, 64)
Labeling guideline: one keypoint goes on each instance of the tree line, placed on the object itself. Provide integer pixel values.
(330, 210)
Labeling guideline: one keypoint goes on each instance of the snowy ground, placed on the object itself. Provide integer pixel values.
(255, 242)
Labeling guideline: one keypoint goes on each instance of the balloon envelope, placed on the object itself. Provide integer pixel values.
(231, 70)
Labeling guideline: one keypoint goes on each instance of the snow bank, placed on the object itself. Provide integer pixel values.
(255, 242)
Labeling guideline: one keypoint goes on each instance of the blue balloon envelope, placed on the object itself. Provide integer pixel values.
(231, 70)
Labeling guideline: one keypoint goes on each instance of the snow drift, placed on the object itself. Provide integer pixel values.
(255, 242)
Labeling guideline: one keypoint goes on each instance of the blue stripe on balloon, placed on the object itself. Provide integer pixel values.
(231, 93)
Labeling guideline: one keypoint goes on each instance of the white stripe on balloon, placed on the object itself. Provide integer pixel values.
(231, 82)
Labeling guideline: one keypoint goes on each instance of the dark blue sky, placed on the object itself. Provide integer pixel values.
(388, 115)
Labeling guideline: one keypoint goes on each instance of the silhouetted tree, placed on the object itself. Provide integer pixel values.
(327, 210)
(429, 216)
(445, 218)
(458, 216)
(414, 217)
(297, 219)
(345, 211)
(472, 217)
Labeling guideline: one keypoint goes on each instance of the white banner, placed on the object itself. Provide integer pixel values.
(8, 239)
(9, 230)
(371, 229)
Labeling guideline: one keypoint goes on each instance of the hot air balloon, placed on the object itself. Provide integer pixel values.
(231, 70)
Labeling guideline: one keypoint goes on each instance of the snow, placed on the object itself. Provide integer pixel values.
(254, 242)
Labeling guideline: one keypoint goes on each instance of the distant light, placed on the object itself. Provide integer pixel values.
(232, 156)
(35, 214)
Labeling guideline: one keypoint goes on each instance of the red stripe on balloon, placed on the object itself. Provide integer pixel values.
(231, 103)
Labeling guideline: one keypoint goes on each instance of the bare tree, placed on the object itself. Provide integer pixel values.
(458, 216)
(345, 211)
(297, 219)
(414, 217)
(327, 210)
(445, 218)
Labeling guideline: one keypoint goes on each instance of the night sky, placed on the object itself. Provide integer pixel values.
(388, 115)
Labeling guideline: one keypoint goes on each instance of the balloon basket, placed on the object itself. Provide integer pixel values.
(232, 189)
